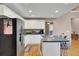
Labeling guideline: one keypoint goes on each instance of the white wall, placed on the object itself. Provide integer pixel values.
(75, 22)
(75, 25)
(1, 9)
(4, 10)
(62, 25)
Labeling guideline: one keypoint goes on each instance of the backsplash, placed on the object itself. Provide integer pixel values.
(33, 31)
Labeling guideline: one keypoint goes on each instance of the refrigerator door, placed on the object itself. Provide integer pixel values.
(7, 40)
(20, 47)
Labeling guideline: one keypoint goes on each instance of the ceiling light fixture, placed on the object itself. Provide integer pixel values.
(48, 23)
(66, 3)
(56, 11)
(30, 11)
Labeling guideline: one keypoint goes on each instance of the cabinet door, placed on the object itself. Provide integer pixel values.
(51, 49)
(34, 24)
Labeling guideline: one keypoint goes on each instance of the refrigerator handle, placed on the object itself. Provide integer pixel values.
(20, 37)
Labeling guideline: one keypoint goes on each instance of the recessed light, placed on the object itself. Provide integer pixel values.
(66, 3)
(30, 11)
(56, 11)
(48, 23)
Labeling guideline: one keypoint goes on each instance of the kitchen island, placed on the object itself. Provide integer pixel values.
(51, 47)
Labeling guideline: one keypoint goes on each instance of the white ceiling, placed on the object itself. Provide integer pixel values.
(41, 9)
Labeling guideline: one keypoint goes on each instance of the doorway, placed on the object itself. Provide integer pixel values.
(74, 48)
(75, 28)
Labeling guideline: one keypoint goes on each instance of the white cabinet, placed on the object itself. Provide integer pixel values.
(32, 39)
(35, 24)
(51, 48)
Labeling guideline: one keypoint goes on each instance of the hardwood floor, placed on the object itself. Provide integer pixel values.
(72, 51)
(34, 50)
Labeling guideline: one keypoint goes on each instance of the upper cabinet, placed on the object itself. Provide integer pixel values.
(35, 24)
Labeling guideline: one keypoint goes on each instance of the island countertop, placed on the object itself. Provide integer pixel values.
(51, 39)
(51, 46)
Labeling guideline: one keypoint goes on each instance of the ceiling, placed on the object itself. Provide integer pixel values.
(53, 10)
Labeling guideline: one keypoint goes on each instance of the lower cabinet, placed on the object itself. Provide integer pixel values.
(51, 48)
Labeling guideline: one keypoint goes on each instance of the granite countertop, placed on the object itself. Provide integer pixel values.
(55, 39)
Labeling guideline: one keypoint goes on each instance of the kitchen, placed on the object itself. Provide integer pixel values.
(42, 29)
(46, 40)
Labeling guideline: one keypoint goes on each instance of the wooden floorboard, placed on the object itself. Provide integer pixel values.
(72, 51)
(34, 51)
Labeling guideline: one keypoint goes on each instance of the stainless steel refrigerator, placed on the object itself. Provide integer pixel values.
(11, 40)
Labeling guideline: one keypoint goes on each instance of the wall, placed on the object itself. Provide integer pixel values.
(1, 10)
(5, 11)
(8, 12)
(75, 25)
(63, 24)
